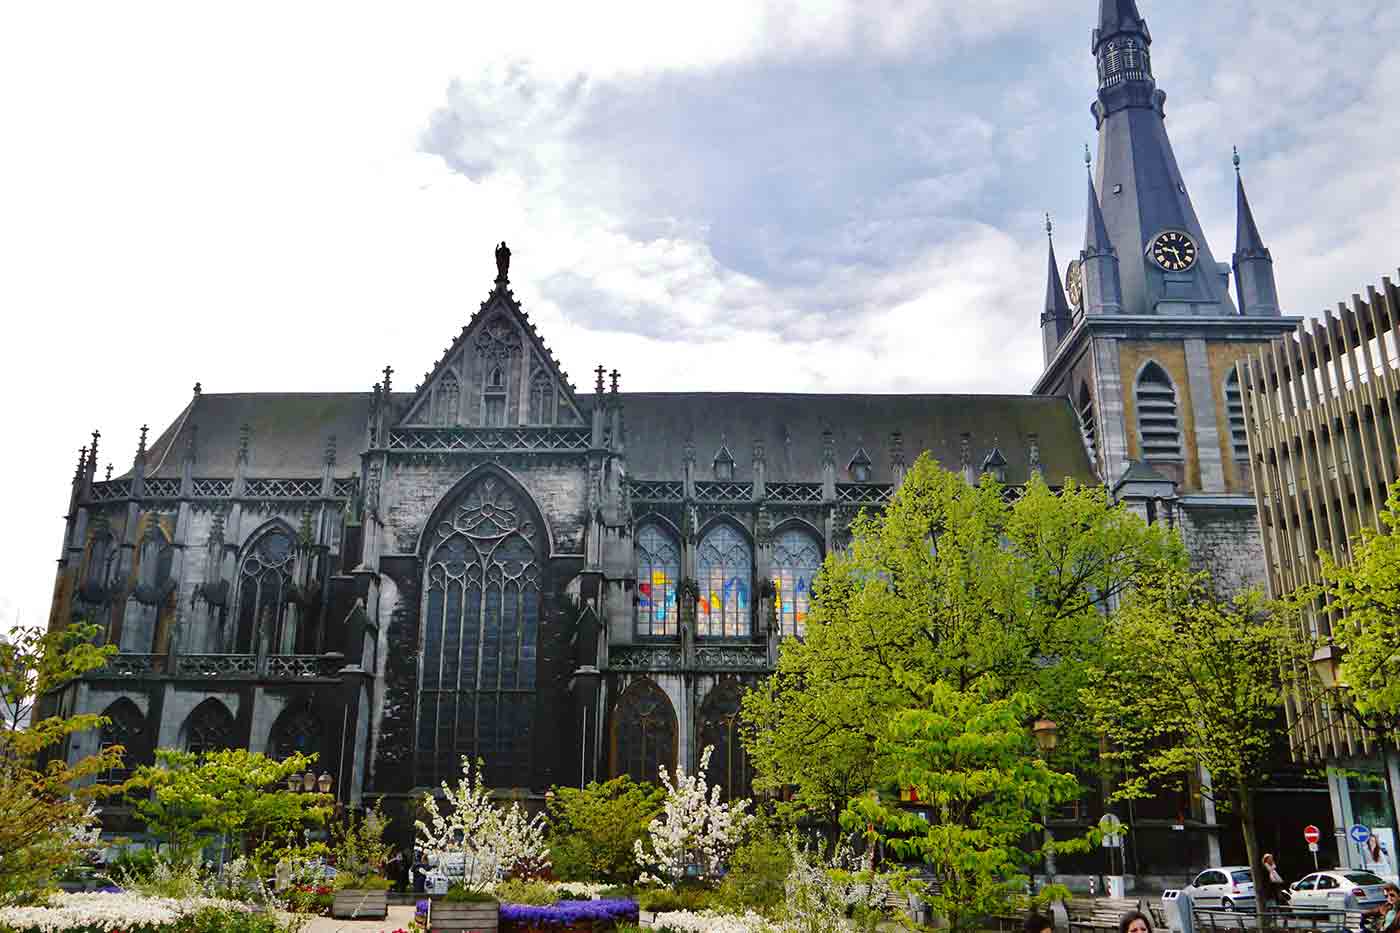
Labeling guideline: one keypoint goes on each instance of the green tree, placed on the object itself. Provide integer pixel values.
(46, 819)
(969, 757)
(1365, 593)
(951, 583)
(1194, 678)
(594, 829)
(235, 794)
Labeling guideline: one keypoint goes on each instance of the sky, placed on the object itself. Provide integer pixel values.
(794, 195)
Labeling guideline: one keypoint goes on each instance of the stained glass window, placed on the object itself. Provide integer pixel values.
(658, 570)
(643, 733)
(480, 638)
(796, 559)
(719, 728)
(724, 567)
(298, 729)
(209, 728)
(263, 582)
(126, 726)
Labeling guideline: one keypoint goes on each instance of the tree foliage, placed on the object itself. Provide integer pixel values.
(695, 828)
(1366, 594)
(951, 583)
(184, 798)
(47, 818)
(593, 829)
(1193, 678)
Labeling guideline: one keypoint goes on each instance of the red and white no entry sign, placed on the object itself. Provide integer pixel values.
(1311, 834)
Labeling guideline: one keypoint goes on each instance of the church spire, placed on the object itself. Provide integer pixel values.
(1252, 262)
(1096, 239)
(1098, 263)
(1054, 320)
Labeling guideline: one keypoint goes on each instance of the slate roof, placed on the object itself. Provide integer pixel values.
(288, 432)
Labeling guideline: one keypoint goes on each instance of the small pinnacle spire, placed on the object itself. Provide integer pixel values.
(92, 451)
(109, 473)
(330, 451)
(141, 444)
(388, 372)
(198, 389)
(615, 375)
(1096, 241)
(82, 462)
(598, 387)
(1056, 305)
(1248, 242)
(1236, 159)
(1049, 226)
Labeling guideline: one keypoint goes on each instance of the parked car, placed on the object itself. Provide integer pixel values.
(1338, 890)
(1229, 888)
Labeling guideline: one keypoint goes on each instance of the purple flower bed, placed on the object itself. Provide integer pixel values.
(569, 913)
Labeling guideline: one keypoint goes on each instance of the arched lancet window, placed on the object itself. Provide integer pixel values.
(209, 728)
(446, 399)
(643, 733)
(1084, 406)
(724, 565)
(153, 564)
(658, 571)
(126, 726)
(298, 729)
(99, 561)
(264, 578)
(797, 556)
(541, 398)
(1234, 409)
(480, 636)
(719, 727)
(1158, 425)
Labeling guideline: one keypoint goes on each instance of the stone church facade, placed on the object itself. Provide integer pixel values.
(574, 585)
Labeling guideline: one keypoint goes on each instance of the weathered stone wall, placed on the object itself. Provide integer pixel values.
(1223, 537)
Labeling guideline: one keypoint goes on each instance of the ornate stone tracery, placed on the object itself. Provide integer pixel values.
(644, 732)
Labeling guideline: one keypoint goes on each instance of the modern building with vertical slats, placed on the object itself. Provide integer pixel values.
(1318, 407)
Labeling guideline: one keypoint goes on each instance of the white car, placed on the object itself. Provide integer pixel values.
(1338, 890)
(1228, 888)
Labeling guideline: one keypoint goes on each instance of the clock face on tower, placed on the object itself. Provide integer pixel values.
(1074, 284)
(1174, 251)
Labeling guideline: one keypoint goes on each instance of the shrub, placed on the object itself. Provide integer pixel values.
(594, 830)
(757, 877)
(537, 893)
(660, 900)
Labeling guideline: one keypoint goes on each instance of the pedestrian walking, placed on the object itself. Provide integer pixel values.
(1134, 921)
(1273, 889)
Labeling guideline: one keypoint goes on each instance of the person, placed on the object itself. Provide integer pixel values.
(1036, 923)
(1273, 889)
(1389, 912)
(1134, 921)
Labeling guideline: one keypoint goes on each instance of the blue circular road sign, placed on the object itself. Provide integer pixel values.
(1359, 834)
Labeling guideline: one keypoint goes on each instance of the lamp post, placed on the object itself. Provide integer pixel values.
(1046, 733)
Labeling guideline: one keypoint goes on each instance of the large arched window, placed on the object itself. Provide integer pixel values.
(126, 726)
(1234, 410)
(264, 578)
(209, 728)
(1084, 406)
(446, 399)
(797, 556)
(643, 733)
(1158, 424)
(658, 570)
(480, 634)
(724, 565)
(298, 729)
(99, 560)
(719, 727)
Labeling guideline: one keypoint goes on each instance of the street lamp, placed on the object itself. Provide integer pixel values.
(1327, 664)
(299, 782)
(1046, 733)
(323, 783)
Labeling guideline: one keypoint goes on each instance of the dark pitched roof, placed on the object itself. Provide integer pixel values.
(1056, 307)
(658, 425)
(1139, 471)
(1248, 242)
(1096, 240)
(287, 434)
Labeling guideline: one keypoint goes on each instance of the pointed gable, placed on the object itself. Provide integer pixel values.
(497, 373)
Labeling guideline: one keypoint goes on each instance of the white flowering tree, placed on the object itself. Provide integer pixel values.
(695, 828)
(490, 841)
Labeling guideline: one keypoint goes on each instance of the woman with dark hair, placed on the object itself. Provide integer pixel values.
(1134, 921)
(1035, 923)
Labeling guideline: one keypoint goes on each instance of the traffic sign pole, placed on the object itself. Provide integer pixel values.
(1312, 835)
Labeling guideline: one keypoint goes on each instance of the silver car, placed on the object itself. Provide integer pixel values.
(1345, 889)
(1228, 888)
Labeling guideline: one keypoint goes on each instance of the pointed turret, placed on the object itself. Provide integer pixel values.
(1054, 318)
(1098, 263)
(1254, 265)
(1118, 17)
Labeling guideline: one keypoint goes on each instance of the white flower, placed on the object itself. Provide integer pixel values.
(687, 921)
(695, 828)
(581, 888)
(106, 911)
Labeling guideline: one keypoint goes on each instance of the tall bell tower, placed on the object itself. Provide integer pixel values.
(1148, 356)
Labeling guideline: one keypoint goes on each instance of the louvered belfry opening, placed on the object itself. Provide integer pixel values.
(1158, 423)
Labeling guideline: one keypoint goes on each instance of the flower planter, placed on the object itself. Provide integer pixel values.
(464, 916)
(360, 903)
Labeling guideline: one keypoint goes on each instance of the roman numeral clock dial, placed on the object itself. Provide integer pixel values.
(1174, 251)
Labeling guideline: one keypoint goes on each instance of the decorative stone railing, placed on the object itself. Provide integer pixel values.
(302, 666)
(864, 493)
(669, 658)
(644, 658)
(723, 491)
(794, 492)
(212, 487)
(451, 440)
(133, 665)
(731, 658)
(217, 665)
(644, 490)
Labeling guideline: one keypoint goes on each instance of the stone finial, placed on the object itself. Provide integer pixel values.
(615, 376)
(82, 463)
(1034, 442)
(760, 454)
(388, 375)
(198, 390)
(1049, 226)
(141, 444)
(330, 450)
(1088, 159)
(1236, 158)
(108, 477)
(828, 448)
(92, 451)
(598, 386)
(897, 449)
